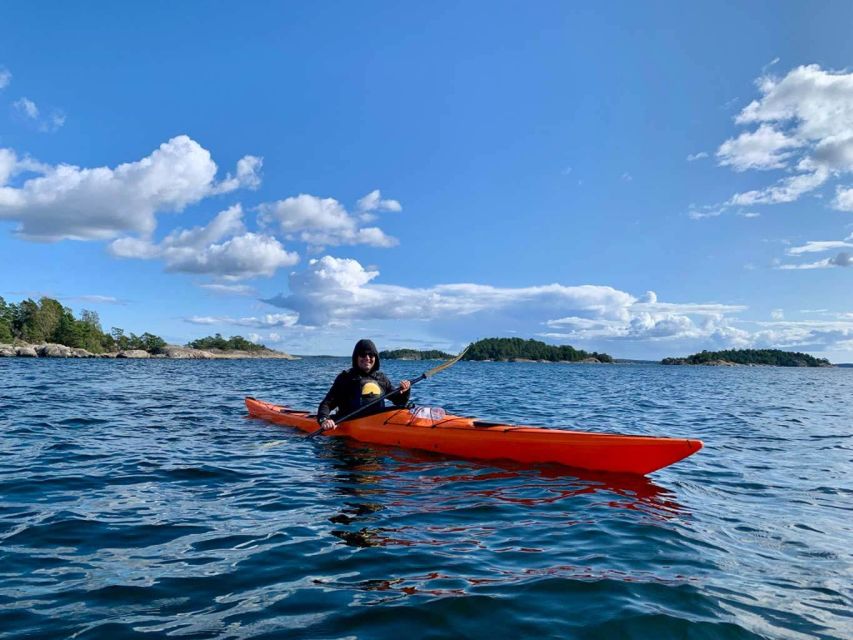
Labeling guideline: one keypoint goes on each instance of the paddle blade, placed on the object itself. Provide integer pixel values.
(445, 365)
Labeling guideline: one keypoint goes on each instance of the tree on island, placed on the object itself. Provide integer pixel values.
(234, 343)
(146, 342)
(504, 349)
(773, 357)
(48, 321)
(413, 354)
(517, 348)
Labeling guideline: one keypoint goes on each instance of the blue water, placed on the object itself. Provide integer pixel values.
(137, 500)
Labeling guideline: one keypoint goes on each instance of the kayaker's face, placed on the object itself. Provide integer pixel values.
(365, 361)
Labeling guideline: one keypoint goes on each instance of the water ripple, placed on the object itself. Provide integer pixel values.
(136, 499)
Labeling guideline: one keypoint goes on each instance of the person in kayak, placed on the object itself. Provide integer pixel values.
(360, 385)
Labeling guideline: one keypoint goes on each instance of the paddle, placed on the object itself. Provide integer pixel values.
(423, 376)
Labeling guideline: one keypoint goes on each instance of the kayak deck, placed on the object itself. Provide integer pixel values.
(471, 438)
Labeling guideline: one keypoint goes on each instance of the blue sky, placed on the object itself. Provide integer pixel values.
(644, 179)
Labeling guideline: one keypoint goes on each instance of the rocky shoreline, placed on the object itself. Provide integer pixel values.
(49, 350)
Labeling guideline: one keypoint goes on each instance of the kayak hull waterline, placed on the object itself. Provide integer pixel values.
(471, 438)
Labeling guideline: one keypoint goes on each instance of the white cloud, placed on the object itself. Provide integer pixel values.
(816, 246)
(324, 222)
(246, 256)
(770, 64)
(698, 213)
(640, 327)
(134, 248)
(812, 335)
(819, 103)
(248, 175)
(651, 320)
(48, 123)
(11, 165)
(786, 190)
(690, 308)
(760, 149)
(26, 108)
(777, 314)
(804, 124)
(842, 259)
(52, 122)
(697, 156)
(8, 163)
(204, 250)
(93, 299)
(69, 202)
(307, 212)
(843, 199)
(5, 77)
(334, 291)
(266, 321)
(373, 202)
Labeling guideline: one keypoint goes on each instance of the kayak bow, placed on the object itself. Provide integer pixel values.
(471, 438)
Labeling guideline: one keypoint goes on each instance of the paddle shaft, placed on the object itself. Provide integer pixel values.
(368, 405)
(423, 376)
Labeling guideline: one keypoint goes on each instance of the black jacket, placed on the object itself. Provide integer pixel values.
(353, 389)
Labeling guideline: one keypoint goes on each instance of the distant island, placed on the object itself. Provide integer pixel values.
(520, 349)
(505, 349)
(234, 343)
(48, 329)
(413, 354)
(769, 357)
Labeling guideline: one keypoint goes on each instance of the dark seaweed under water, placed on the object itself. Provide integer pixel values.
(137, 500)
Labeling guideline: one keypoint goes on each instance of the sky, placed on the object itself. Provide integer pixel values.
(640, 179)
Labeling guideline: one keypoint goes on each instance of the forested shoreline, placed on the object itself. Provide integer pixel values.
(46, 328)
(49, 322)
(505, 349)
(520, 349)
(766, 357)
(414, 354)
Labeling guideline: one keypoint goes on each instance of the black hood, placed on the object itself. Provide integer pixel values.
(365, 346)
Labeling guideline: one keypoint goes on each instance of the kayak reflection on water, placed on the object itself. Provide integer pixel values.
(383, 486)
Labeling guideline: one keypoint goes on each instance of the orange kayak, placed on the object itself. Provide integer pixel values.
(472, 438)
